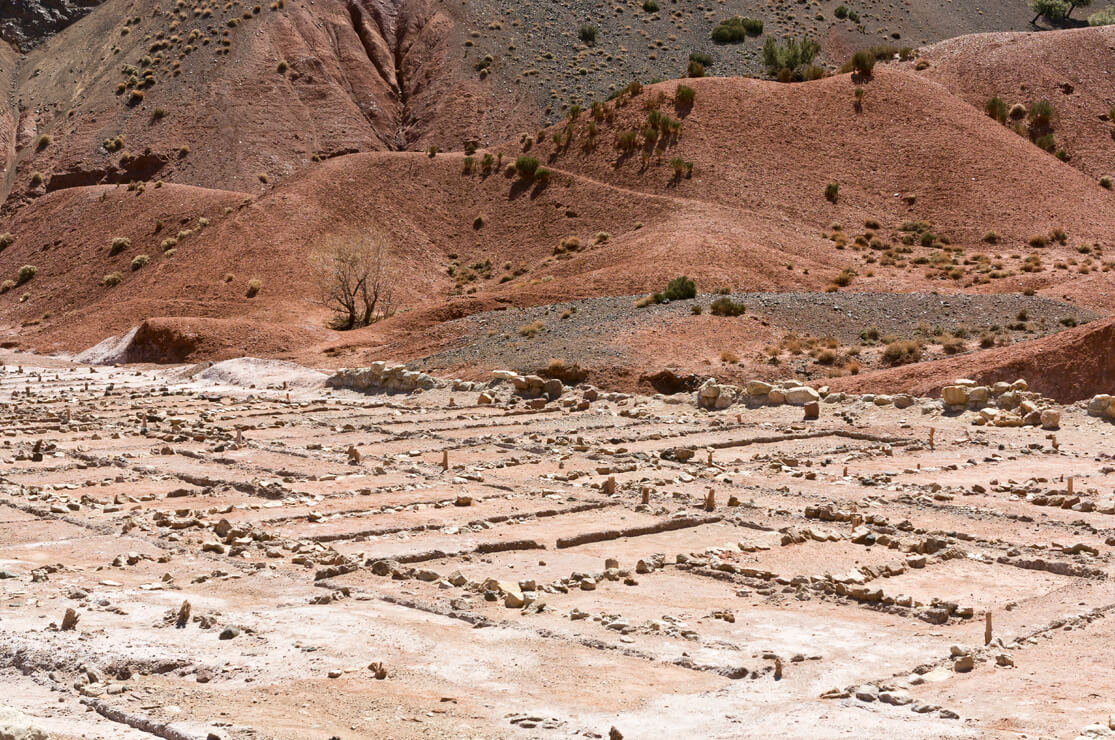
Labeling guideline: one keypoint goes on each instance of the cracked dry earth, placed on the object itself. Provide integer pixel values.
(263, 563)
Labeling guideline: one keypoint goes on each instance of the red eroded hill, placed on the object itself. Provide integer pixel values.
(753, 215)
(235, 95)
(1071, 69)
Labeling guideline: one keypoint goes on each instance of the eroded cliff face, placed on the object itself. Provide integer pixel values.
(25, 23)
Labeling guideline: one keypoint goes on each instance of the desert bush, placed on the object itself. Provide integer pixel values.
(1105, 183)
(680, 288)
(6, 240)
(724, 306)
(784, 61)
(841, 12)
(588, 33)
(991, 237)
(1052, 10)
(26, 273)
(997, 109)
(694, 69)
(954, 346)
(253, 287)
(526, 167)
(532, 329)
(736, 29)
(845, 277)
(43, 142)
(684, 96)
(650, 6)
(140, 260)
(1038, 241)
(118, 245)
(832, 192)
(644, 301)
(111, 279)
(902, 352)
(705, 60)
(169, 244)
(1040, 114)
(863, 62)
(1105, 17)
(6, 286)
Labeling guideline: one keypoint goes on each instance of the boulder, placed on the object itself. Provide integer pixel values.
(903, 401)
(1097, 405)
(955, 395)
(801, 395)
(758, 388)
(1050, 419)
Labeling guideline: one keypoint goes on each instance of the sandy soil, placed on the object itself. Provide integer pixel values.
(841, 558)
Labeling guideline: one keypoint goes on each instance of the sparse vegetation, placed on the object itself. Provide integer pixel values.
(736, 29)
(253, 287)
(532, 329)
(118, 245)
(863, 63)
(725, 306)
(588, 33)
(791, 61)
(902, 352)
(139, 261)
(111, 279)
(26, 273)
(684, 96)
(526, 167)
(832, 192)
(6, 240)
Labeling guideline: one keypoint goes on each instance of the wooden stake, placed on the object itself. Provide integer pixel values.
(445, 459)
(710, 500)
(932, 434)
(987, 628)
(646, 494)
(1070, 485)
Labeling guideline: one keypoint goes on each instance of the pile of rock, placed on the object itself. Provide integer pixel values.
(531, 386)
(1102, 406)
(1001, 404)
(380, 376)
(713, 395)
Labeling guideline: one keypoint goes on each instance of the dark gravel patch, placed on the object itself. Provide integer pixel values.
(588, 332)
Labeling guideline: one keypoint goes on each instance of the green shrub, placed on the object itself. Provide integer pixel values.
(6, 240)
(650, 6)
(1046, 142)
(253, 287)
(784, 61)
(1041, 114)
(1053, 10)
(43, 142)
(6, 286)
(841, 12)
(736, 29)
(1105, 17)
(25, 273)
(526, 167)
(684, 96)
(140, 260)
(863, 62)
(695, 69)
(997, 109)
(1105, 183)
(587, 33)
(118, 245)
(680, 288)
(725, 306)
(705, 60)
(832, 192)
(111, 279)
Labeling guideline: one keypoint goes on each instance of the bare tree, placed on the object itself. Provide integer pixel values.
(353, 279)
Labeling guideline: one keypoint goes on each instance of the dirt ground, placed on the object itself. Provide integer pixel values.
(248, 553)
